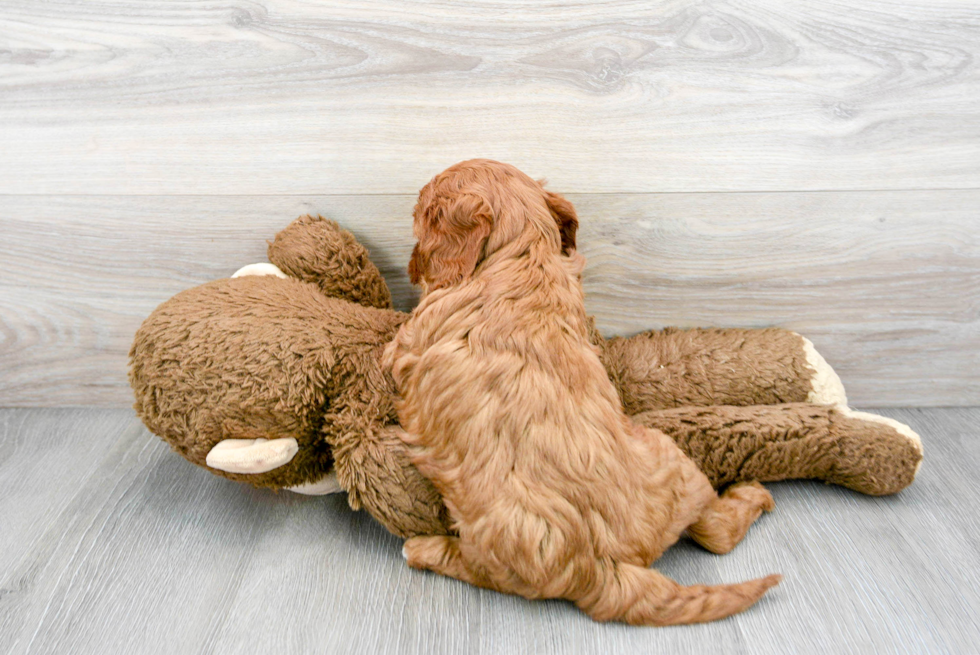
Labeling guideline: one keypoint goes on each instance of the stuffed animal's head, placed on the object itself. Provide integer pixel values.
(240, 375)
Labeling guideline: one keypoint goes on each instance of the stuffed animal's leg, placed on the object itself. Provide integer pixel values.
(317, 250)
(439, 554)
(704, 367)
(867, 453)
(727, 518)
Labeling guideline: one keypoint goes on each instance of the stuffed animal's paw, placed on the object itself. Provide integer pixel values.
(878, 455)
(826, 386)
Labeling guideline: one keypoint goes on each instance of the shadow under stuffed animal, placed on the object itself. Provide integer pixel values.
(273, 377)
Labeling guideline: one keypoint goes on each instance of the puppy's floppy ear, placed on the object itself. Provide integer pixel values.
(567, 220)
(451, 234)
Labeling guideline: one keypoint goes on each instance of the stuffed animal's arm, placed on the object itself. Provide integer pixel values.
(378, 476)
(370, 458)
(318, 250)
(676, 368)
(867, 453)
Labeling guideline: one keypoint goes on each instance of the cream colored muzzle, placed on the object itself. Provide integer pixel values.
(254, 456)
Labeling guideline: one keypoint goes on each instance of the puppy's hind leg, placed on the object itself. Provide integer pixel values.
(726, 519)
(439, 554)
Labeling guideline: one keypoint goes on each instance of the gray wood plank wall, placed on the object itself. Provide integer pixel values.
(814, 165)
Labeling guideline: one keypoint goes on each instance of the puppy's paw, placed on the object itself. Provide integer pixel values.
(433, 553)
(752, 493)
(414, 551)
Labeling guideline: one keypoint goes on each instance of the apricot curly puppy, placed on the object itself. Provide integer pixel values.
(554, 492)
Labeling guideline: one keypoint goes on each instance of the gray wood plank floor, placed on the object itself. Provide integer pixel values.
(111, 543)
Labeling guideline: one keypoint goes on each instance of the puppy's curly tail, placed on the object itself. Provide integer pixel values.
(641, 596)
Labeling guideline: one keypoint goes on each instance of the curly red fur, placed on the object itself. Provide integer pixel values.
(508, 409)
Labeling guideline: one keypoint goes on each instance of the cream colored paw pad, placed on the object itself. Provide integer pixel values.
(826, 387)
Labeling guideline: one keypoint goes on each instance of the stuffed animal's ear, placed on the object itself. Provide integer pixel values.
(567, 220)
(451, 232)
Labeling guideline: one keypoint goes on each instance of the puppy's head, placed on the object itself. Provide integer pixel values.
(473, 209)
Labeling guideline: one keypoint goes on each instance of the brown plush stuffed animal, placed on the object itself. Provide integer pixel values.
(274, 378)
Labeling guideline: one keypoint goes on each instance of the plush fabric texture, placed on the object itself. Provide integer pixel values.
(677, 368)
(260, 357)
(552, 490)
(317, 250)
(792, 441)
(253, 357)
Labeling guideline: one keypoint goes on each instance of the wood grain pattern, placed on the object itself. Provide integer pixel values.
(855, 125)
(134, 550)
(282, 96)
(887, 284)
